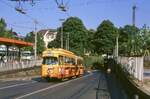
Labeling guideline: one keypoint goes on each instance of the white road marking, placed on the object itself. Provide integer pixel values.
(16, 85)
(41, 90)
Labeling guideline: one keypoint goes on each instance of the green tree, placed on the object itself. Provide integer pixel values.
(29, 38)
(77, 33)
(2, 27)
(90, 41)
(5, 32)
(77, 36)
(144, 35)
(105, 38)
(40, 43)
(129, 40)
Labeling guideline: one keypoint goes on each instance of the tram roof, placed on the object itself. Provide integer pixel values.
(8, 41)
(59, 51)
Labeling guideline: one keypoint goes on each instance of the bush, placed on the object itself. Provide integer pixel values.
(89, 61)
(97, 65)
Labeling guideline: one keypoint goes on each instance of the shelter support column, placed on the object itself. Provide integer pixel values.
(19, 54)
(7, 52)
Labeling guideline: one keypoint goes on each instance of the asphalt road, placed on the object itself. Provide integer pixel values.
(146, 73)
(94, 85)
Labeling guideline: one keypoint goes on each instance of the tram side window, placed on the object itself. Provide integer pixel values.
(64, 60)
(78, 62)
(50, 61)
(70, 61)
(61, 60)
(73, 61)
(67, 60)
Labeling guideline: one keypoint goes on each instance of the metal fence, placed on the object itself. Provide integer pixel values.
(15, 65)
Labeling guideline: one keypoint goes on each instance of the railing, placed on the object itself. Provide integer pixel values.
(15, 65)
(133, 66)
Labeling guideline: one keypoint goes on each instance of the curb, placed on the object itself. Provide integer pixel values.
(19, 78)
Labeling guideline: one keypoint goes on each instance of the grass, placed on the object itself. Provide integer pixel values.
(90, 60)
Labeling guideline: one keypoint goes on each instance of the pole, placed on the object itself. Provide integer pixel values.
(62, 20)
(133, 15)
(62, 35)
(133, 34)
(68, 40)
(35, 41)
(66, 44)
(117, 47)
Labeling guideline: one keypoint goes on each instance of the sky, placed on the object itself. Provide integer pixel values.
(91, 12)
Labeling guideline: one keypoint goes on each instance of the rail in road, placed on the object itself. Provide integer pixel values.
(92, 85)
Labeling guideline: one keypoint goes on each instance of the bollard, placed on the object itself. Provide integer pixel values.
(108, 70)
(136, 96)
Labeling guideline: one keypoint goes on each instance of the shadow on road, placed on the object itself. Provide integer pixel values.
(102, 89)
(46, 80)
(40, 79)
(115, 87)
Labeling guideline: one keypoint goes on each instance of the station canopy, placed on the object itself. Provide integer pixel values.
(10, 42)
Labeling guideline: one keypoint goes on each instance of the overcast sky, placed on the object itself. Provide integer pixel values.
(92, 13)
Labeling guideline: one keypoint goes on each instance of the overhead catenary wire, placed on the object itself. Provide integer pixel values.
(20, 26)
(28, 16)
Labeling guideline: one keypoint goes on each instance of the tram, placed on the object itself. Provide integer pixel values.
(60, 63)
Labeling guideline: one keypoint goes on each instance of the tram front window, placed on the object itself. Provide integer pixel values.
(50, 60)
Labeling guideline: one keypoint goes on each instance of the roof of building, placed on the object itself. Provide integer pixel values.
(8, 41)
(43, 31)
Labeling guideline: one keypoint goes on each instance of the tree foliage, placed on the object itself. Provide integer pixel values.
(77, 36)
(40, 43)
(129, 40)
(132, 40)
(104, 38)
(29, 38)
(90, 41)
(77, 33)
(4, 32)
(144, 39)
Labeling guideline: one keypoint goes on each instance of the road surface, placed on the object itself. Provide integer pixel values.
(94, 85)
(146, 73)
